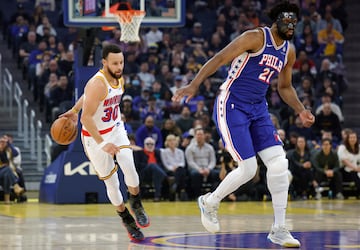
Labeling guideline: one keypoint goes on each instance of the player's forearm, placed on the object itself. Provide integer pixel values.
(78, 105)
(290, 97)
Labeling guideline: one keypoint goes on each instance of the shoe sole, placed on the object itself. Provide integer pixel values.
(142, 226)
(287, 245)
(203, 220)
(132, 238)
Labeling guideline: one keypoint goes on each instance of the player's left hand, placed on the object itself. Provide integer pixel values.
(307, 118)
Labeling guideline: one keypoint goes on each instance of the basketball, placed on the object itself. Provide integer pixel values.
(63, 131)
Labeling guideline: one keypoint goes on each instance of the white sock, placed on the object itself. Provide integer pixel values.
(279, 201)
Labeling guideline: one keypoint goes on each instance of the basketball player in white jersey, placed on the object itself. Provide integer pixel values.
(105, 139)
(242, 117)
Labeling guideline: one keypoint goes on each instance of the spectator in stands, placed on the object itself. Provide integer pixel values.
(185, 121)
(15, 164)
(53, 82)
(310, 46)
(18, 31)
(126, 108)
(43, 78)
(151, 110)
(201, 160)
(349, 156)
(153, 36)
(282, 134)
(178, 83)
(37, 15)
(300, 166)
(303, 57)
(306, 90)
(34, 58)
(24, 52)
(196, 36)
(61, 97)
(243, 24)
(149, 129)
(145, 76)
(329, 121)
(140, 102)
(305, 21)
(325, 98)
(304, 71)
(173, 159)
(66, 64)
(169, 127)
(45, 23)
(149, 166)
(330, 41)
(327, 168)
(328, 18)
(165, 76)
(7, 177)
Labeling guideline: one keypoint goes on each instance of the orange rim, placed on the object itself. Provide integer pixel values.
(125, 16)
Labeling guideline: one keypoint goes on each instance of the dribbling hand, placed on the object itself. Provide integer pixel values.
(307, 118)
(71, 115)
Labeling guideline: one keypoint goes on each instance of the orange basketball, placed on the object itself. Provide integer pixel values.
(63, 131)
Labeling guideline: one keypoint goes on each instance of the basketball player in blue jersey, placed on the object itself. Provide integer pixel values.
(105, 139)
(242, 118)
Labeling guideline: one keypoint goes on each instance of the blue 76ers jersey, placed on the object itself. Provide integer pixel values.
(241, 112)
(250, 73)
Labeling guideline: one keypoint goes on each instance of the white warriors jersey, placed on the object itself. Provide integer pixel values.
(108, 112)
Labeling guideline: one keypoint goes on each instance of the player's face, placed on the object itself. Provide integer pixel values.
(286, 23)
(115, 64)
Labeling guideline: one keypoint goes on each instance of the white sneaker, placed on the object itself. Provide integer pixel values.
(281, 236)
(208, 214)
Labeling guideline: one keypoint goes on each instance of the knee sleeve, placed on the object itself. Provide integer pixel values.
(275, 160)
(113, 190)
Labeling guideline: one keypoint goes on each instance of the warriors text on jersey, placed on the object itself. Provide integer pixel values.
(250, 73)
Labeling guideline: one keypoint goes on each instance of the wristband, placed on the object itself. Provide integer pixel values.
(102, 144)
(74, 110)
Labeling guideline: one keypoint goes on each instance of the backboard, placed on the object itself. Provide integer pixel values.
(98, 13)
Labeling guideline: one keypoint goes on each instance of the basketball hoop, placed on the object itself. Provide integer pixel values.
(129, 21)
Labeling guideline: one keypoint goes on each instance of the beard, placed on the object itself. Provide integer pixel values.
(282, 30)
(115, 75)
(283, 34)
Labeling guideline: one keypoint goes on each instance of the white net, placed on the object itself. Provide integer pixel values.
(130, 21)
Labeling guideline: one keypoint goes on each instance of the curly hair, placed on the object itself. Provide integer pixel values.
(283, 6)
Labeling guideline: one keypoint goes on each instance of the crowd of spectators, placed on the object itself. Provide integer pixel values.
(168, 58)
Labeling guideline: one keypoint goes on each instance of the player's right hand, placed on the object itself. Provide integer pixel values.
(189, 91)
(71, 115)
(111, 148)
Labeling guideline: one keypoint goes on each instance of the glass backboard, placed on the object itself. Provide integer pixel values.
(98, 13)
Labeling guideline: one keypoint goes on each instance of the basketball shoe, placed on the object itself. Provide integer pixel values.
(208, 214)
(142, 220)
(129, 223)
(281, 236)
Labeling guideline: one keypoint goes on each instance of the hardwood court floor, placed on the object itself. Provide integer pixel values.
(325, 224)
